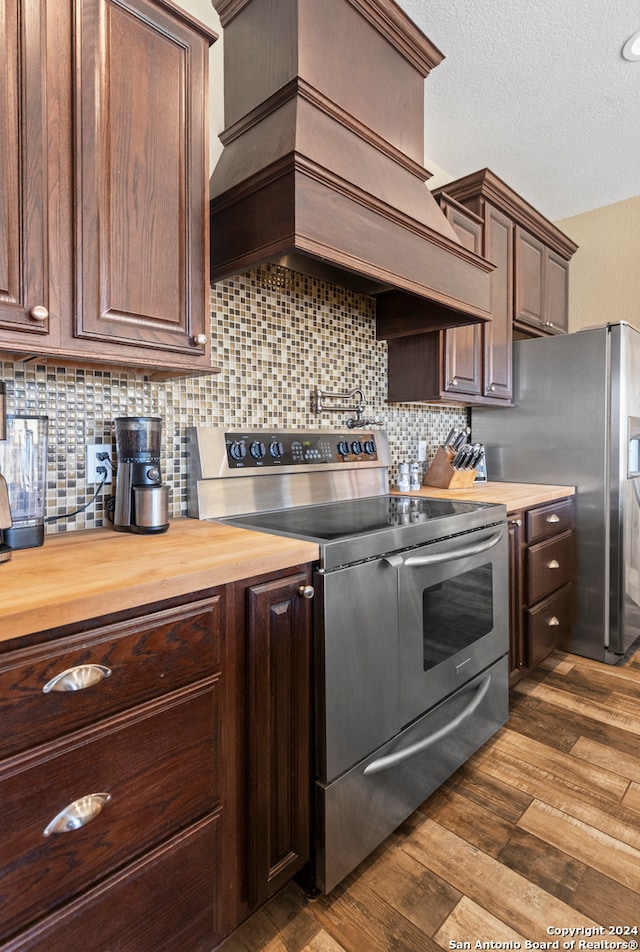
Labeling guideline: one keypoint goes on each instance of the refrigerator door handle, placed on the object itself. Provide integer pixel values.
(633, 453)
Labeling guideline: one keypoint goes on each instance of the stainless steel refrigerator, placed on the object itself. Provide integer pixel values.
(576, 421)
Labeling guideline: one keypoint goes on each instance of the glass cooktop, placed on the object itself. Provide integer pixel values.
(355, 517)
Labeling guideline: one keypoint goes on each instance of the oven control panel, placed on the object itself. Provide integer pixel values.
(263, 448)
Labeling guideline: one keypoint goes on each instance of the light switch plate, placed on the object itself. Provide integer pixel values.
(422, 451)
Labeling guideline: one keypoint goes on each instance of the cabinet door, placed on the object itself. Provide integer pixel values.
(498, 334)
(24, 247)
(516, 634)
(529, 269)
(141, 182)
(556, 291)
(463, 345)
(278, 713)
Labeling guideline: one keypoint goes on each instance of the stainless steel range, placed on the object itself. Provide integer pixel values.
(411, 619)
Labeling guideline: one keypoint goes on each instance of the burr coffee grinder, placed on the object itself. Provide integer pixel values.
(141, 503)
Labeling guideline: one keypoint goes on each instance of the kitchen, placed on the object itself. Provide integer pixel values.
(266, 341)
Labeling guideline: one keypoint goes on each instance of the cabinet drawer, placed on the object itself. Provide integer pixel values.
(549, 566)
(159, 766)
(545, 521)
(549, 624)
(159, 904)
(138, 660)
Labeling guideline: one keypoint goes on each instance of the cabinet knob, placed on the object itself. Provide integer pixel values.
(515, 522)
(553, 564)
(553, 518)
(77, 814)
(492, 388)
(454, 382)
(78, 678)
(199, 340)
(39, 313)
(553, 622)
(307, 591)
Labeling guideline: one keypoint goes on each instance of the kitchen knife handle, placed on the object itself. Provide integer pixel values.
(78, 678)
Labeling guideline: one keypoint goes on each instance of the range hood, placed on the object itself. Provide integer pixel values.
(322, 170)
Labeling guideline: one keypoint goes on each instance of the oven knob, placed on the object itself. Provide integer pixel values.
(276, 450)
(237, 451)
(370, 446)
(343, 448)
(356, 447)
(258, 449)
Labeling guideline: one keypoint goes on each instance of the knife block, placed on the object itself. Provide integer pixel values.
(442, 475)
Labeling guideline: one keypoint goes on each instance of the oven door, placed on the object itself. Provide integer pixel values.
(453, 614)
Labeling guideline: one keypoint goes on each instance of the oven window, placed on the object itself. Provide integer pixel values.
(455, 613)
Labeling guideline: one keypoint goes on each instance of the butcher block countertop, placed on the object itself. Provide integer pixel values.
(81, 575)
(514, 495)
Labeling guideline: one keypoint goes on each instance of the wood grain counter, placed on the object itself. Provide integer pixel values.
(513, 495)
(81, 575)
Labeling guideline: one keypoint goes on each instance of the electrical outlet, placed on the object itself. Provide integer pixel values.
(93, 449)
(422, 451)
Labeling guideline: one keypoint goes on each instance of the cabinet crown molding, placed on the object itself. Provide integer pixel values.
(486, 185)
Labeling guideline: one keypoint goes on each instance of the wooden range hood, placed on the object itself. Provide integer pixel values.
(322, 163)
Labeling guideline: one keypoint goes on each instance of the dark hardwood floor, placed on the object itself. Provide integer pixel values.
(539, 831)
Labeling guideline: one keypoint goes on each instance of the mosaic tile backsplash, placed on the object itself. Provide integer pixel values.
(277, 342)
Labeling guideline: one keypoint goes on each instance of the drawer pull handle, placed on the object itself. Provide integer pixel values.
(78, 678)
(553, 564)
(77, 814)
(553, 518)
(553, 622)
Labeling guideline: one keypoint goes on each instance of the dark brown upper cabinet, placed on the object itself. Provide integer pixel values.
(529, 295)
(105, 254)
(27, 298)
(540, 253)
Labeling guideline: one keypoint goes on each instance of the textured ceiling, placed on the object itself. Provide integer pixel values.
(539, 93)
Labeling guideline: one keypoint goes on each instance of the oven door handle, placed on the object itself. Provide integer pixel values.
(406, 753)
(460, 553)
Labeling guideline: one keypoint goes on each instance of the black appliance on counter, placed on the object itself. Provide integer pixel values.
(410, 620)
(141, 497)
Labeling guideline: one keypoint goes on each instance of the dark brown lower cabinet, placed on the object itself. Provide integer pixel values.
(278, 736)
(516, 634)
(541, 574)
(161, 903)
(111, 783)
(155, 771)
